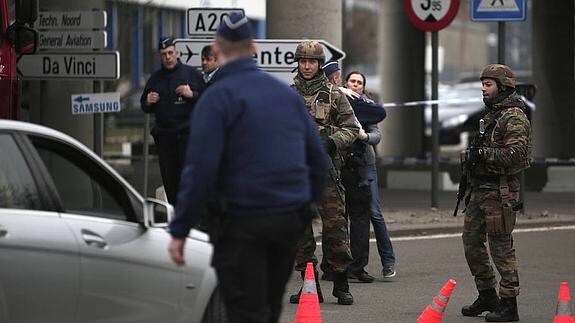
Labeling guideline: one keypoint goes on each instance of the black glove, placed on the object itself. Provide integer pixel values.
(329, 146)
(474, 155)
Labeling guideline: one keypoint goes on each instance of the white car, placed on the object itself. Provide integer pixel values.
(79, 244)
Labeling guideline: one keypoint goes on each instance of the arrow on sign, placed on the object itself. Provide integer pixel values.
(336, 53)
(273, 55)
(81, 99)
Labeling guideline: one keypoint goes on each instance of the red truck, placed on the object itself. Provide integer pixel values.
(16, 38)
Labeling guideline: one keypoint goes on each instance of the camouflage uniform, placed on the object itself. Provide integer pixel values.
(338, 128)
(335, 119)
(495, 186)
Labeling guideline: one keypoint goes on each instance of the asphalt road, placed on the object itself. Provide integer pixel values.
(545, 258)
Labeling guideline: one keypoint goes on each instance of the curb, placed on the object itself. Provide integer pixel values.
(430, 229)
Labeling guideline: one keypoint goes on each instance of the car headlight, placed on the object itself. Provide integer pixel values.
(455, 121)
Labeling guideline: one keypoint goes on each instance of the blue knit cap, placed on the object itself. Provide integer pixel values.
(235, 27)
(165, 42)
(330, 68)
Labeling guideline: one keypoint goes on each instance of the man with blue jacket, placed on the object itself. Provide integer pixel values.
(171, 94)
(255, 153)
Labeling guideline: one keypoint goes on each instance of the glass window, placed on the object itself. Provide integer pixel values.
(18, 190)
(84, 186)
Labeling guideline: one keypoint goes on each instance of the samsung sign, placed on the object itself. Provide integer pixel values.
(89, 103)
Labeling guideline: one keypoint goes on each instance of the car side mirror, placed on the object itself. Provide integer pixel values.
(157, 213)
(23, 39)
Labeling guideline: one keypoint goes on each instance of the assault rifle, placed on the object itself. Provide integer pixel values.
(466, 167)
(333, 173)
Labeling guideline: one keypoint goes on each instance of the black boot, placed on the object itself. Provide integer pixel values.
(294, 299)
(505, 312)
(487, 301)
(341, 289)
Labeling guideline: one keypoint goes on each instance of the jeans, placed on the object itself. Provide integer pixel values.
(384, 246)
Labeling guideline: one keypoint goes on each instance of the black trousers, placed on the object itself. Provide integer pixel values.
(253, 259)
(171, 156)
(358, 209)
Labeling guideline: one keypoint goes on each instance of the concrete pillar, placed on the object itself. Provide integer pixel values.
(553, 72)
(49, 101)
(295, 19)
(402, 57)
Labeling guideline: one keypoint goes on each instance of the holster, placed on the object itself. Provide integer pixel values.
(502, 222)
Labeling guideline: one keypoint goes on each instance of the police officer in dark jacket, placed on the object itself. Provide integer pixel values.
(170, 94)
(254, 150)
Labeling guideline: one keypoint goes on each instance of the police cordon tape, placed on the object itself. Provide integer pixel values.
(424, 103)
(454, 161)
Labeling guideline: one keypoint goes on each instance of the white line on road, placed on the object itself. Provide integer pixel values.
(454, 235)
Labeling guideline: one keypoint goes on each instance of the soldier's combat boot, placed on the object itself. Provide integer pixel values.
(341, 289)
(294, 299)
(505, 312)
(486, 302)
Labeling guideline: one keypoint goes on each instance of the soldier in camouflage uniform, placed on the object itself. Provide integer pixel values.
(338, 128)
(493, 163)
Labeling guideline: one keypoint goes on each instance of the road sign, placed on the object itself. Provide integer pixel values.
(498, 10)
(93, 66)
(71, 20)
(273, 55)
(64, 39)
(204, 22)
(95, 102)
(431, 15)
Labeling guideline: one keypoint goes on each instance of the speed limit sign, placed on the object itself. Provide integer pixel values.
(431, 15)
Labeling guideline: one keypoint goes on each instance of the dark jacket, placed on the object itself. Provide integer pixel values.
(253, 145)
(369, 114)
(172, 113)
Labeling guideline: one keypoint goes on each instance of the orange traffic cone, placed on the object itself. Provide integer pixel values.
(563, 313)
(433, 313)
(308, 307)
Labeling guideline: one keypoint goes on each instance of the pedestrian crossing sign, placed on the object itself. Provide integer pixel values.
(498, 10)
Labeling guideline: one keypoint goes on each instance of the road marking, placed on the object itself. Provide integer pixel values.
(454, 235)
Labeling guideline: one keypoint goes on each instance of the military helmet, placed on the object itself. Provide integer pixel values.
(500, 73)
(310, 49)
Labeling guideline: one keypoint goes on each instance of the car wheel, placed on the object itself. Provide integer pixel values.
(215, 311)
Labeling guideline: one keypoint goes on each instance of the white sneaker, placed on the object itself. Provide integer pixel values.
(389, 272)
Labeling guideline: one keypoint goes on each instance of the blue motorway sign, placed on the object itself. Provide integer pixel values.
(498, 10)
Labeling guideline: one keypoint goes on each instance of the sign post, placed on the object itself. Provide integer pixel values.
(71, 20)
(276, 56)
(68, 33)
(70, 65)
(432, 15)
(204, 22)
(499, 11)
(67, 39)
(88, 103)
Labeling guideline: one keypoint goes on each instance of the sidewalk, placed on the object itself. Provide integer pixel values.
(409, 212)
